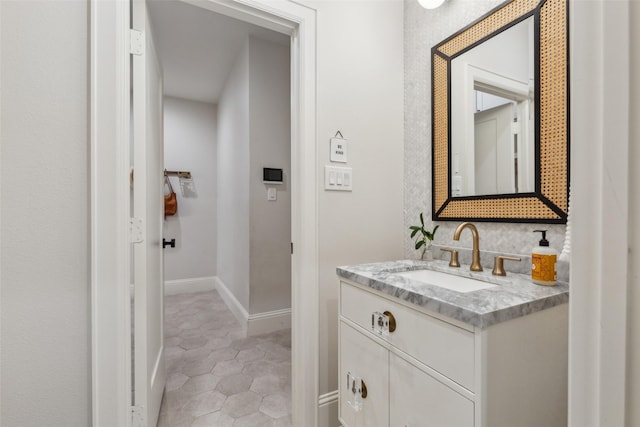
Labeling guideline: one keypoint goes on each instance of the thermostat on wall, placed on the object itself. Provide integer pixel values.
(272, 176)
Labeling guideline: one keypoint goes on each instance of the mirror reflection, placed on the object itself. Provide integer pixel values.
(493, 115)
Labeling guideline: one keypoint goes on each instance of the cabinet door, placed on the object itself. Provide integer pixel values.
(419, 400)
(364, 358)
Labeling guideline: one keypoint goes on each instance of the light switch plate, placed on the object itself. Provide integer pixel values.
(271, 194)
(338, 178)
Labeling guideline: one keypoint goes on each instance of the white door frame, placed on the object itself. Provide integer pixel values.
(110, 247)
(600, 87)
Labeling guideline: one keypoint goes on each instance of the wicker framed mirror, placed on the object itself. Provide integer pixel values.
(546, 200)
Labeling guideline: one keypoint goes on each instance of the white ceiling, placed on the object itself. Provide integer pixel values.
(197, 47)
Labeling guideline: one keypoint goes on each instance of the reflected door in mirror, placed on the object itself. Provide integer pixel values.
(493, 115)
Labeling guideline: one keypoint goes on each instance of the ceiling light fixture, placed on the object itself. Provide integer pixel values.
(431, 4)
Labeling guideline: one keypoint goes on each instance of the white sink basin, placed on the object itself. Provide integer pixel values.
(444, 280)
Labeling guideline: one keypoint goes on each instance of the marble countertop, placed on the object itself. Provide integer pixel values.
(515, 296)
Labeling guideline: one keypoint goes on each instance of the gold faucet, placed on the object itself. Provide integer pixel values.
(475, 263)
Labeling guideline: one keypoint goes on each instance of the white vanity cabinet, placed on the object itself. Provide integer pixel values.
(435, 371)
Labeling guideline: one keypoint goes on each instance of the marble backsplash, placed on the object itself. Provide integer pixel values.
(423, 29)
(487, 259)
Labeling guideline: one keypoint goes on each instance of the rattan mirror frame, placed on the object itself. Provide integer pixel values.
(549, 202)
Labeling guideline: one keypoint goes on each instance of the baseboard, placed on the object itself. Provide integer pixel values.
(271, 321)
(254, 324)
(328, 410)
(232, 302)
(328, 398)
(186, 286)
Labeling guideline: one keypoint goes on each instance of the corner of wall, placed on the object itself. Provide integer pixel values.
(232, 302)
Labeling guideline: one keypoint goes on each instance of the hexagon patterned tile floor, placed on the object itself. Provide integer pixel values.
(217, 376)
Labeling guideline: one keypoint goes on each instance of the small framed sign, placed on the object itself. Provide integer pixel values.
(339, 150)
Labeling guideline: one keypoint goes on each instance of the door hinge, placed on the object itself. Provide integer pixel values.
(515, 128)
(291, 248)
(136, 230)
(137, 416)
(136, 42)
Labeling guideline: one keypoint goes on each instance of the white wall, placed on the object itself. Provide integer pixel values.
(233, 181)
(270, 221)
(45, 307)
(360, 92)
(254, 132)
(254, 259)
(190, 134)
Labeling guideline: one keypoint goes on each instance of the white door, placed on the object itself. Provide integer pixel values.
(148, 349)
(493, 145)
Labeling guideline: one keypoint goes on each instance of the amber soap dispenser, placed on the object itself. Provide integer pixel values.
(543, 262)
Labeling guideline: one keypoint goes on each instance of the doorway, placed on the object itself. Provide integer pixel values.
(227, 118)
(110, 93)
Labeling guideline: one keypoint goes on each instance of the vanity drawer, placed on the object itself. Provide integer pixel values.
(444, 347)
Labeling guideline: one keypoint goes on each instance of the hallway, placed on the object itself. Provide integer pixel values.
(216, 376)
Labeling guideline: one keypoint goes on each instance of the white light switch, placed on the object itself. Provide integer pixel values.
(456, 183)
(271, 194)
(338, 178)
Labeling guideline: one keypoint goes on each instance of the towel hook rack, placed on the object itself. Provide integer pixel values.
(179, 174)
